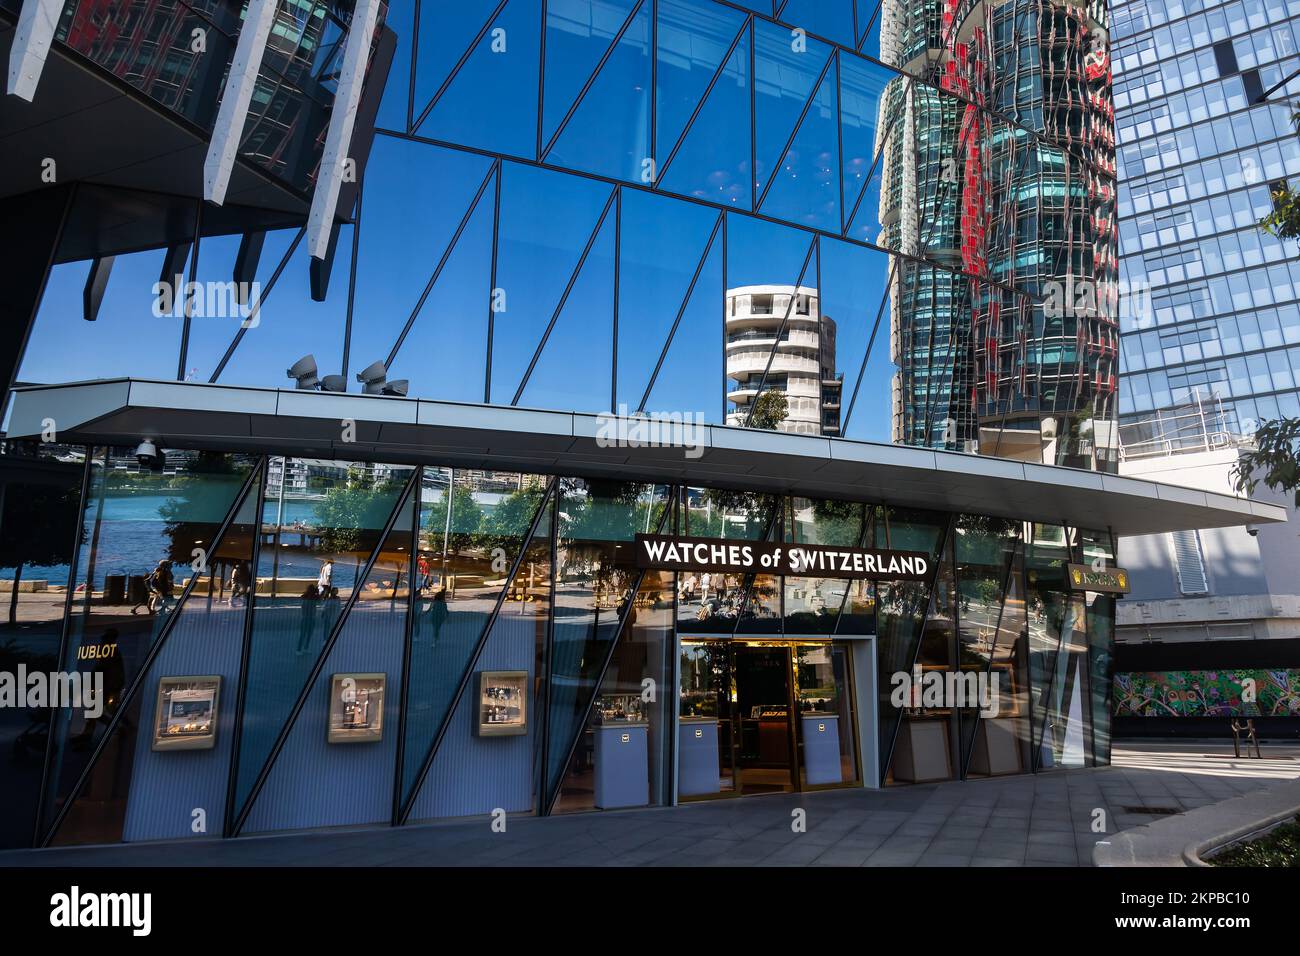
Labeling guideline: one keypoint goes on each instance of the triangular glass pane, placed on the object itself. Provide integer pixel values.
(445, 32)
(879, 170)
(862, 84)
(464, 559)
(545, 221)
(578, 32)
(392, 107)
(583, 338)
(131, 794)
(832, 19)
(609, 132)
(326, 519)
(853, 296)
(692, 376)
(592, 603)
(662, 242)
(490, 756)
(869, 13)
(786, 68)
(368, 653)
(806, 186)
(442, 356)
(694, 36)
(498, 81)
(713, 161)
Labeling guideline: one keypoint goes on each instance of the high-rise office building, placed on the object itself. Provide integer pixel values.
(1023, 365)
(1212, 309)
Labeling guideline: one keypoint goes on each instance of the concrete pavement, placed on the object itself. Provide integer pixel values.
(1045, 819)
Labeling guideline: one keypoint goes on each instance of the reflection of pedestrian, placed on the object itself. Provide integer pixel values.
(240, 577)
(422, 566)
(438, 612)
(325, 582)
(160, 583)
(307, 619)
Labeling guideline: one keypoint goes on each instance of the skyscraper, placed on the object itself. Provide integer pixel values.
(1217, 313)
(1022, 365)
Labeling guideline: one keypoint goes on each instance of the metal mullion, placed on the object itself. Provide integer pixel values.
(582, 93)
(725, 271)
(753, 124)
(184, 354)
(654, 88)
(151, 655)
(686, 298)
(920, 638)
(492, 284)
(564, 296)
(699, 107)
(415, 58)
(257, 306)
(541, 77)
(866, 356)
(803, 114)
(543, 749)
(455, 70)
(468, 674)
(495, 168)
(785, 320)
(335, 630)
(618, 268)
(352, 281)
(64, 629)
(839, 125)
(997, 635)
(695, 200)
(412, 603)
(245, 657)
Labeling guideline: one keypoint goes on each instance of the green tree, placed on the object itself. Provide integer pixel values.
(1284, 220)
(1274, 461)
(508, 522)
(361, 503)
(37, 525)
(466, 518)
(770, 410)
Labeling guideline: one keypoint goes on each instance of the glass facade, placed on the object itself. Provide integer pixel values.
(1212, 310)
(354, 642)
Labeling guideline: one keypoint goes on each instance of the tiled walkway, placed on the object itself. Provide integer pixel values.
(1040, 820)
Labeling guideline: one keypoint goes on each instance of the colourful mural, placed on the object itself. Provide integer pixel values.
(1208, 693)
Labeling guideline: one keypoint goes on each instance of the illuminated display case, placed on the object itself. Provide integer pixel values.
(356, 708)
(186, 715)
(502, 703)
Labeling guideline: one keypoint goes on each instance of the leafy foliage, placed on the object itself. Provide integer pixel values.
(770, 410)
(1275, 460)
(1284, 220)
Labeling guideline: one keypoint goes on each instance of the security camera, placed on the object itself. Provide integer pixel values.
(373, 377)
(303, 372)
(1252, 531)
(147, 454)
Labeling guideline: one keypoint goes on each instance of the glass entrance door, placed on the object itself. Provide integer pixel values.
(764, 717)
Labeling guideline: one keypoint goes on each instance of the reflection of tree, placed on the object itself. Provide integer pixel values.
(597, 515)
(466, 517)
(837, 522)
(350, 510)
(511, 518)
(770, 409)
(724, 510)
(36, 527)
(198, 482)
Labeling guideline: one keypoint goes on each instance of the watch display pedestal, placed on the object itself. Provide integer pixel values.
(697, 756)
(622, 765)
(821, 748)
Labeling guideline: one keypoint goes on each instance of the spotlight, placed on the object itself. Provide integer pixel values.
(398, 387)
(303, 372)
(373, 378)
(333, 383)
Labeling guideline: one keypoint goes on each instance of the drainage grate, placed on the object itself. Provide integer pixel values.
(1154, 811)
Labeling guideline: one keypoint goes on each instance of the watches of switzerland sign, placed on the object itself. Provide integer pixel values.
(672, 553)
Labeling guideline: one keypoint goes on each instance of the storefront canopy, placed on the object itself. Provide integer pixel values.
(409, 430)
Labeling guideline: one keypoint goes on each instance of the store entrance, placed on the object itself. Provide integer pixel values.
(763, 716)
